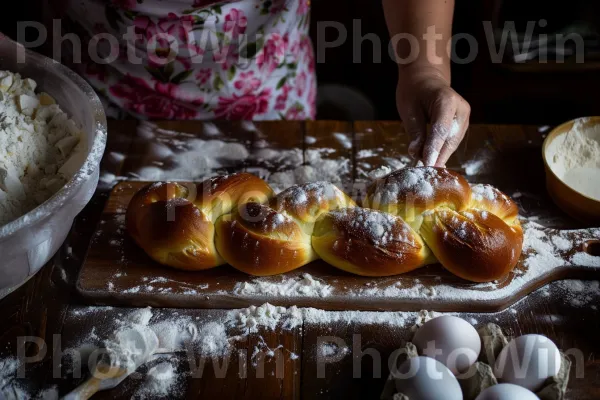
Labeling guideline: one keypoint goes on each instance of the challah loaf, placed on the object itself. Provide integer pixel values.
(408, 219)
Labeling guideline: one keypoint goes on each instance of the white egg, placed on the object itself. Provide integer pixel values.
(506, 391)
(423, 378)
(450, 340)
(528, 361)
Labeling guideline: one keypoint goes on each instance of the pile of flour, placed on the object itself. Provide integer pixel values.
(40, 147)
(575, 158)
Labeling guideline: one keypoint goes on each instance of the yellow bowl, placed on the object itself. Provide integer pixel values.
(579, 206)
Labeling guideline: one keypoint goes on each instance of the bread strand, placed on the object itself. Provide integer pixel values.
(409, 218)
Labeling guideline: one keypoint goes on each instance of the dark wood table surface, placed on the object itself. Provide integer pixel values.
(47, 305)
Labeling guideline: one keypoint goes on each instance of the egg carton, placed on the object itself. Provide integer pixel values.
(480, 376)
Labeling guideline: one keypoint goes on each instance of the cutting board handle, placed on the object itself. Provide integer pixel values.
(583, 241)
(592, 247)
(573, 245)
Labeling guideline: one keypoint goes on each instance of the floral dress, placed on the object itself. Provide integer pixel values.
(198, 59)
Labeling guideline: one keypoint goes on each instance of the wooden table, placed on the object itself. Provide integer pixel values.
(48, 305)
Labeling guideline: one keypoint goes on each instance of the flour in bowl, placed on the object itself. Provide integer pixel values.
(40, 147)
(575, 158)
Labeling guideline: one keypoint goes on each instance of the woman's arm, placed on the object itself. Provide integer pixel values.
(424, 94)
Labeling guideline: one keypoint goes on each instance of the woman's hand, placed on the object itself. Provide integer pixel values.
(424, 96)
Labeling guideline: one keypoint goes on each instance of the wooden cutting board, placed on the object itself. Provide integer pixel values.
(117, 272)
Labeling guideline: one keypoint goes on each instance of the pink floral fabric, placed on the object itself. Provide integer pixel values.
(201, 59)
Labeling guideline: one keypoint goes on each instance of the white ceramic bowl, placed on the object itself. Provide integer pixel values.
(29, 242)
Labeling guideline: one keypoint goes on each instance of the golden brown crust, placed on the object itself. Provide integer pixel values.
(308, 202)
(267, 240)
(409, 192)
(369, 243)
(149, 194)
(260, 241)
(475, 245)
(174, 233)
(219, 195)
(174, 223)
(488, 198)
(186, 242)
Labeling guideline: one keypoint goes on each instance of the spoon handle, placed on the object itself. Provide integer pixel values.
(84, 391)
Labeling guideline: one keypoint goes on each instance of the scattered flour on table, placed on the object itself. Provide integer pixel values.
(216, 338)
(107, 178)
(213, 339)
(390, 319)
(267, 316)
(9, 386)
(190, 158)
(14, 388)
(116, 157)
(160, 381)
(319, 165)
(328, 349)
(50, 393)
(180, 156)
(579, 293)
(331, 349)
(210, 129)
(367, 153)
(344, 139)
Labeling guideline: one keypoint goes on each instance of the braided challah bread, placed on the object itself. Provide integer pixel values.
(408, 219)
